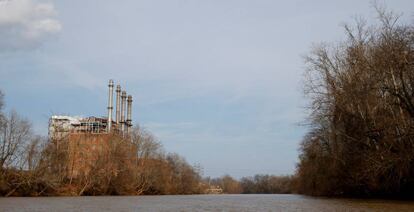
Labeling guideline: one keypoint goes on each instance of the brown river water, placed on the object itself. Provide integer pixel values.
(256, 202)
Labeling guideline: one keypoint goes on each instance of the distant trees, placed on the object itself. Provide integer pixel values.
(227, 183)
(258, 184)
(361, 138)
(266, 184)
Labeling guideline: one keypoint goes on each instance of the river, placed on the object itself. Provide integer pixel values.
(256, 202)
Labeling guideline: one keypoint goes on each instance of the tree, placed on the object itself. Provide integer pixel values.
(15, 132)
(33, 151)
(1, 101)
(361, 113)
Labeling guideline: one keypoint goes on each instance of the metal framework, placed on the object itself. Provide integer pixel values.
(63, 125)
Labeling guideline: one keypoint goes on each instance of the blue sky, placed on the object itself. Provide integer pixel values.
(218, 82)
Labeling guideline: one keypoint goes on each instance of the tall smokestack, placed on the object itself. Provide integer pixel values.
(110, 105)
(129, 114)
(123, 103)
(118, 104)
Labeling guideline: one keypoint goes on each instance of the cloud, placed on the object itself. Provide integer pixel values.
(25, 24)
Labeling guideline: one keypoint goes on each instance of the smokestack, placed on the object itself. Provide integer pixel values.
(118, 102)
(129, 114)
(110, 105)
(123, 102)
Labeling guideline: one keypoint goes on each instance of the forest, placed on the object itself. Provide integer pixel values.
(361, 91)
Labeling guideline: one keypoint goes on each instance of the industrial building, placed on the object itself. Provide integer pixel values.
(61, 126)
(85, 139)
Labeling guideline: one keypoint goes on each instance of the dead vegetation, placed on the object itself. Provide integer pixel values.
(361, 138)
(257, 184)
(35, 166)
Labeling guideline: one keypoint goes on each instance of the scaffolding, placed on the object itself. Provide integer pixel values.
(60, 126)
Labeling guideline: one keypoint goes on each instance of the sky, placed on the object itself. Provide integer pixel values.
(216, 81)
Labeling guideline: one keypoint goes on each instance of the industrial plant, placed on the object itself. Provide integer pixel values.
(85, 139)
(61, 126)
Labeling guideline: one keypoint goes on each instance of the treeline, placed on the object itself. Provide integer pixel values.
(31, 165)
(258, 184)
(361, 138)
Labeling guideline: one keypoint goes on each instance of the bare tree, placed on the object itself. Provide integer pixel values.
(15, 132)
(1, 100)
(89, 164)
(33, 151)
(362, 106)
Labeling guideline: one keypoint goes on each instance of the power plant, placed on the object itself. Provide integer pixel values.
(87, 139)
(60, 126)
